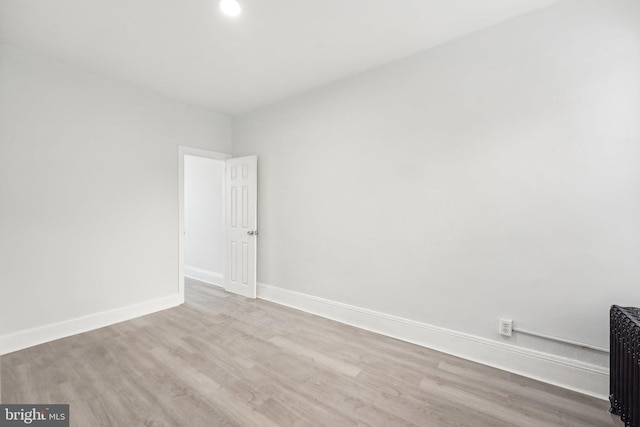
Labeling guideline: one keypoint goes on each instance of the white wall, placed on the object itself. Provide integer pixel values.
(494, 176)
(89, 194)
(204, 243)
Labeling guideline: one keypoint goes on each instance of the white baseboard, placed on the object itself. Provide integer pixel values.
(202, 275)
(30, 337)
(586, 378)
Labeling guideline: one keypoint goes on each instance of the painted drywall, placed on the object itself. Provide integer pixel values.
(493, 176)
(89, 191)
(204, 243)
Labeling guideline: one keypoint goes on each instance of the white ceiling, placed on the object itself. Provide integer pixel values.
(277, 48)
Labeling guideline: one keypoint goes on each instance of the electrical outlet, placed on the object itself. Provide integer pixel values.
(506, 327)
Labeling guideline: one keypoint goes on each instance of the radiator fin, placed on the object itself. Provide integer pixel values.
(625, 359)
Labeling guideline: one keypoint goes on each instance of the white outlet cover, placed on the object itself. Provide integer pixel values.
(506, 327)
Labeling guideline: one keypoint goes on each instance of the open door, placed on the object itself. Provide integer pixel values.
(241, 225)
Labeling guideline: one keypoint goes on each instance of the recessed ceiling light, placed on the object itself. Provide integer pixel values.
(230, 7)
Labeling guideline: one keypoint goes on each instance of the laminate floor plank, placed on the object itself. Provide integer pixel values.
(224, 360)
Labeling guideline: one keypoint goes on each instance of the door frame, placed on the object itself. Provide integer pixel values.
(198, 152)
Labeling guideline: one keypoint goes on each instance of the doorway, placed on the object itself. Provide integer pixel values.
(204, 219)
(202, 216)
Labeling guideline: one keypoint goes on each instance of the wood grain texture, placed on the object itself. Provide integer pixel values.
(223, 360)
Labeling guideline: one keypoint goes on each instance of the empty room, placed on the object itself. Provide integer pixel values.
(320, 213)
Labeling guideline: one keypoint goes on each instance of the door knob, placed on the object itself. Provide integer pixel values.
(252, 232)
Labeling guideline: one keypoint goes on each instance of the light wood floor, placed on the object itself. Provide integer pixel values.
(222, 360)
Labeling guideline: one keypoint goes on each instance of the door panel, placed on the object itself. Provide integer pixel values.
(241, 225)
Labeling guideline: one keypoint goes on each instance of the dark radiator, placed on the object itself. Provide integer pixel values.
(625, 364)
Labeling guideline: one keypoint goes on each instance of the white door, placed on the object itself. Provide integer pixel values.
(241, 225)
